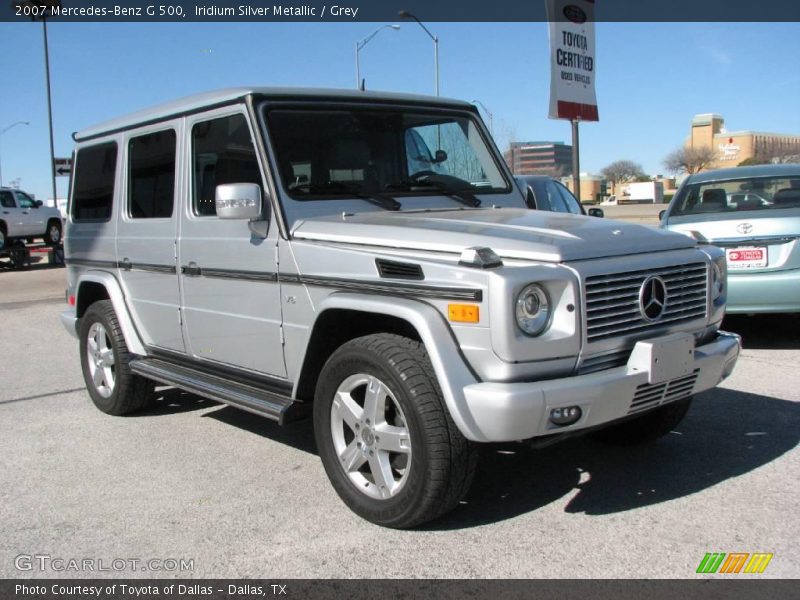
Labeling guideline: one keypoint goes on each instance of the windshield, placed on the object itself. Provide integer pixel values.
(328, 153)
(731, 196)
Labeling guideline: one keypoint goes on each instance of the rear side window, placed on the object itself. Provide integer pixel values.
(93, 191)
(7, 200)
(222, 152)
(151, 169)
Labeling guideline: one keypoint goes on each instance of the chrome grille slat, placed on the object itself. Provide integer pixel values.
(612, 300)
(651, 395)
(604, 361)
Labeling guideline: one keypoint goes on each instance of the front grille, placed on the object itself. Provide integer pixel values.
(612, 301)
(649, 395)
(604, 361)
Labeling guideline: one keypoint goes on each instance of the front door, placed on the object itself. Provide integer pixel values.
(230, 294)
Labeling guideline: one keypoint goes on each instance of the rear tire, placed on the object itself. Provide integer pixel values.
(383, 386)
(52, 236)
(647, 428)
(105, 361)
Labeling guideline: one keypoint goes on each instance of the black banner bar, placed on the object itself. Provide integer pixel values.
(348, 11)
(729, 588)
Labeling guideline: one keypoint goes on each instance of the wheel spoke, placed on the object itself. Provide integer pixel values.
(352, 458)
(98, 377)
(392, 439)
(375, 401)
(382, 473)
(347, 409)
(108, 377)
(92, 344)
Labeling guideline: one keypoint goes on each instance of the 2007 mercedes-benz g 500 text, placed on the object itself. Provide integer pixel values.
(368, 257)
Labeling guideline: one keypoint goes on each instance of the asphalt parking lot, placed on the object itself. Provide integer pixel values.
(242, 497)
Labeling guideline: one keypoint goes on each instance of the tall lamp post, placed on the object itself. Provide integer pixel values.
(488, 114)
(364, 42)
(1, 135)
(404, 14)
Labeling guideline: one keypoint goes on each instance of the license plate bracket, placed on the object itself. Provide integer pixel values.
(664, 358)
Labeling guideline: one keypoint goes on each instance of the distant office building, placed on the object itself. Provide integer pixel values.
(535, 158)
(732, 147)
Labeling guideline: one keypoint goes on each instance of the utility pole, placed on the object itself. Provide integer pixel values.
(576, 164)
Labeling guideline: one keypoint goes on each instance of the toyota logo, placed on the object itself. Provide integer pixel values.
(744, 228)
(653, 299)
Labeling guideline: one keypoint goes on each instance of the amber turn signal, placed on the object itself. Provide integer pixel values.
(463, 313)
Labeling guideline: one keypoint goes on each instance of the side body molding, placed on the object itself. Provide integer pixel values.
(110, 283)
(451, 370)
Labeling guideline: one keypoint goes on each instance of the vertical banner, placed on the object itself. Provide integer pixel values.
(572, 60)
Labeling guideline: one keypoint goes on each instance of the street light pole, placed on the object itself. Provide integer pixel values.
(364, 42)
(50, 113)
(488, 114)
(1, 135)
(404, 14)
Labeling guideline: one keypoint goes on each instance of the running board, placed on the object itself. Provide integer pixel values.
(247, 397)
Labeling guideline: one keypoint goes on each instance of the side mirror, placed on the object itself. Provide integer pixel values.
(238, 201)
(597, 212)
(661, 215)
(37, 203)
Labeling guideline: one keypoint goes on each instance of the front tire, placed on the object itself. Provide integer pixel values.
(386, 440)
(646, 428)
(105, 359)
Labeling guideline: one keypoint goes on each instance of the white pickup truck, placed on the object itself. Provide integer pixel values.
(22, 217)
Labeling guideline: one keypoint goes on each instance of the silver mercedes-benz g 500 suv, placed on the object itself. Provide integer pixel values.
(368, 258)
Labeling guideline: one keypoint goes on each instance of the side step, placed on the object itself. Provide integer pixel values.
(247, 397)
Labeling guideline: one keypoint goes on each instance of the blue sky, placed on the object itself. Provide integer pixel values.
(651, 78)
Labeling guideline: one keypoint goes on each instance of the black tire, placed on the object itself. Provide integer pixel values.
(129, 392)
(442, 462)
(3, 237)
(53, 237)
(647, 428)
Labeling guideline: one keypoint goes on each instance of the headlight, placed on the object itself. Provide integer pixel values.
(533, 310)
(719, 277)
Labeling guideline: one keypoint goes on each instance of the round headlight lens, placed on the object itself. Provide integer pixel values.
(533, 310)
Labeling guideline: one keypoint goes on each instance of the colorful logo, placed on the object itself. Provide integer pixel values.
(734, 562)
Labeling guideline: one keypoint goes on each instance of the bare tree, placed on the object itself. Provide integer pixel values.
(622, 171)
(690, 160)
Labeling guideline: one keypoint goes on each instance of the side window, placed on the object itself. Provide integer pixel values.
(25, 201)
(554, 197)
(93, 190)
(222, 152)
(151, 175)
(7, 200)
(569, 200)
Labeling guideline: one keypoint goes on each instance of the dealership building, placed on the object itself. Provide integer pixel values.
(535, 158)
(732, 147)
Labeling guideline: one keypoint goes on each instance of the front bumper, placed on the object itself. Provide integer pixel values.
(517, 411)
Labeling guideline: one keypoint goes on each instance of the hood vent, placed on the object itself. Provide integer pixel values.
(398, 270)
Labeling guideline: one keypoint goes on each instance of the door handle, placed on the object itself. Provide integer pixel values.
(191, 270)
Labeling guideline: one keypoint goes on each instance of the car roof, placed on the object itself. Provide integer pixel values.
(532, 178)
(222, 97)
(745, 173)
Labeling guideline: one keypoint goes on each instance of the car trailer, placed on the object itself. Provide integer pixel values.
(19, 253)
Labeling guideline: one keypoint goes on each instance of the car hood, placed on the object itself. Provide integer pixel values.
(511, 233)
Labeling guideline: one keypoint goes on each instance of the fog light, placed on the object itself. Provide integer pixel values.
(566, 415)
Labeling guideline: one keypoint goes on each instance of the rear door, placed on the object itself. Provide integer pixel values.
(11, 214)
(147, 233)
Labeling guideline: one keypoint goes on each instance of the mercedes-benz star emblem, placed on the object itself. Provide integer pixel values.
(744, 228)
(653, 298)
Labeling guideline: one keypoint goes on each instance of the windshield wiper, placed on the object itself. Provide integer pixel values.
(384, 201)
(463, 196)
